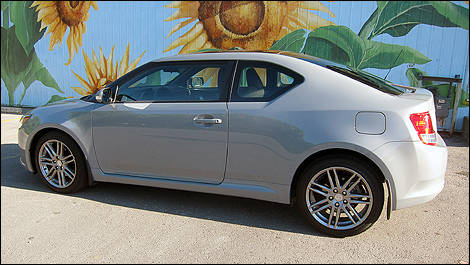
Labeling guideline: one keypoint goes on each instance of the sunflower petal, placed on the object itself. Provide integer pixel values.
(48, 11)
(207, 45)
(124, 61)
(188, 9)
(52, 26)
(43, 25)
(102, 64)
(115, 72)
(178, 26)
(315, 5)
(134, 63)
(61, 32)
(82, 81)
(187, 37)
(81, 91)
(91, 71)
(35, 3)
(49, 18)
(69, 46)
(195, 44)
(109, 66)
(95, 59)
(52, 29)
(94, 5)
(75, 41)
(80, 33)
(174, 4)
(308, 20)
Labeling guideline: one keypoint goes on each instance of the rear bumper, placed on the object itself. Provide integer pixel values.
(417, 170)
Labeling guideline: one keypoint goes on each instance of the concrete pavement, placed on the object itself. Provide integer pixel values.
(114, 223)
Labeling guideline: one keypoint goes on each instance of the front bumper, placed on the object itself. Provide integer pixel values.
(25, 157)
(417, 170)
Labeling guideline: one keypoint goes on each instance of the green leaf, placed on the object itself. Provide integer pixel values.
(413, 73)
(369, 25)
(27, 27)
(340, 44)
(397, 18)
(55, 98)
(37, 71)
(14, 61)
(385, 56)
(291, 42)
(455, 13)
(324, 49)
(5, 4)
(335, 43)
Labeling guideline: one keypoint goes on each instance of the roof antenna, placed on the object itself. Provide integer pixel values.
(393, 63)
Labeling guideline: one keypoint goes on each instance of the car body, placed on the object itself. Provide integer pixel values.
(253, 144)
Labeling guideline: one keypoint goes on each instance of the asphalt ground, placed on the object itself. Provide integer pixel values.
(116, 223)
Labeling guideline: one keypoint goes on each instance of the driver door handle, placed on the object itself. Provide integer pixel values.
(206, 121)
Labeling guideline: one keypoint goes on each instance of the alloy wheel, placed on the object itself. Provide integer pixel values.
(57, 163)
(339, 198)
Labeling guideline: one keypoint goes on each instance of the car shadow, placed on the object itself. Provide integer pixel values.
(227, 209)
(457, 139)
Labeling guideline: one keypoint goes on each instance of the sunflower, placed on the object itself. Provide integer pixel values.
(58, 15)
(245, 24)
(102, 72)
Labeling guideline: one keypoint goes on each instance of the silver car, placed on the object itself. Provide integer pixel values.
(274, 126)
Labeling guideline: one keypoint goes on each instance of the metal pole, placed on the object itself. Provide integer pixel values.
(456, 107)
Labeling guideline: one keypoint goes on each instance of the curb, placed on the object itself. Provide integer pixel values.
(15, 110)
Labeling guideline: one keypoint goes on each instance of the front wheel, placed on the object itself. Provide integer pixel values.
(60, 163)
(340, 196)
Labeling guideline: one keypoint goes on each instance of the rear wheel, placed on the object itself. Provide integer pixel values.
(340, 196)
(60, 163)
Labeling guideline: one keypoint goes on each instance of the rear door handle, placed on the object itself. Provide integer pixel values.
(207, 121)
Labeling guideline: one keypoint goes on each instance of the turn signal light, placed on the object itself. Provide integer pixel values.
(25, 118)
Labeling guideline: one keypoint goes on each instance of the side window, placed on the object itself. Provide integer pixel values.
(259, 81)
(178, 82)
(156, 78)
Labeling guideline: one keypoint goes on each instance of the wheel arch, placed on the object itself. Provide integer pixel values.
(34, 138)
(356, 151)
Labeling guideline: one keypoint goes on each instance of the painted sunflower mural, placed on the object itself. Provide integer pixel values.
(101, 72)
(57, 16)
(245, 24)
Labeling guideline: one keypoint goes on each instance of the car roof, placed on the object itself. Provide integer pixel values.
(216, 54)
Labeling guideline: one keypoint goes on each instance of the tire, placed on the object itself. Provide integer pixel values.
(355, 178)
(67, 176)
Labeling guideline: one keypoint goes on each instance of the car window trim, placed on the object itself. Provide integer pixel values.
(230, 64)
(234, 74)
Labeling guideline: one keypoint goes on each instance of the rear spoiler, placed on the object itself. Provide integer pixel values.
(413, 89)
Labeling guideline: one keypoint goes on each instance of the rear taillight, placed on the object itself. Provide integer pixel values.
(423, 126)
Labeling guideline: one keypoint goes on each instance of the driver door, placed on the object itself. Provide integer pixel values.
(168, 122)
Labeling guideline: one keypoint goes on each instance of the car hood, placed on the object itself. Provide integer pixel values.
(61, 109)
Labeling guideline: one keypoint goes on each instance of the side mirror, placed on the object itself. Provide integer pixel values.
(102, 96)
(197, 82)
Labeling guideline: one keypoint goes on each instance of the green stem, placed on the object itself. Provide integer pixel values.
(6, 18)
(11, 99)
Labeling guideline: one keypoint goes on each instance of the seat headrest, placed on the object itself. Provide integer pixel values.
(253, 79)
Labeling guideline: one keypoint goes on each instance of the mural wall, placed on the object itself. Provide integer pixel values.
(104, 40)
